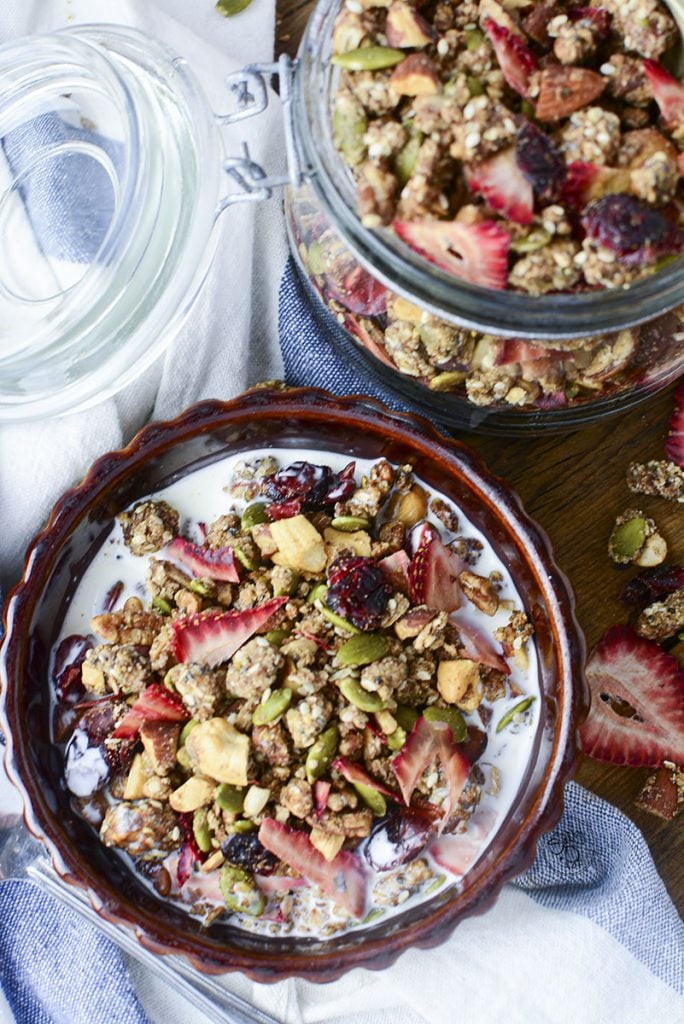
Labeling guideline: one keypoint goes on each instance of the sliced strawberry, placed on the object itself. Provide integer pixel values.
(586, 181)
(190, 853)
(563, 89)
(674, 446)
(395, 568)
(433, 577)
(420, 534)
(353, 772)
(457, 853)
(637, 706)
(515, 60)
(667, 92)
(359, 292)
(419, 751)
(155, 704)
(478, 647)
(362, 330)
(279, 883)
(321, 792)
(514, 350)
(209, 638)
(217, 563)
(504, 187)
(343, 878)
(477, 253)
(455, 766)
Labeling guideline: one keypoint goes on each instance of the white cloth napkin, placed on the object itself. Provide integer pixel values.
(230, 340)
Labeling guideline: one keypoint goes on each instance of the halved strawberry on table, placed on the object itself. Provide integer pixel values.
(209, 638)
(637, 702)
(674, 446)
(503, 186)
(477, 253)
(343, 878)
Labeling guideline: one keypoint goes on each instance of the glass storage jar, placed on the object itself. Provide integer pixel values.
(110, 188)
(595, 352)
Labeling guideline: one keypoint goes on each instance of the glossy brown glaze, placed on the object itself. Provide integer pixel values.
(285, 418)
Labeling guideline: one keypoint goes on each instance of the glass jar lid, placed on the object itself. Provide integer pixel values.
(109, 181)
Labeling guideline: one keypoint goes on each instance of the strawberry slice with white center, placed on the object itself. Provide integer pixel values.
(420, 534)
(503, 186)
(514, 350)
(419, 751)
(637, 702)
(395, 568)
(155, 704)
(343, 878)
(433, 577)
(216, 563)
(458, 852)
(477, 253)
(455, 766)
(477, 647)
(674, 446)
(517, 63)
(667, 92)
(353, 772)
(210, 638)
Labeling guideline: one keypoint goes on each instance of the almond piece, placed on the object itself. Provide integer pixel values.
(564, 89)
(416, 76)
(405, 28)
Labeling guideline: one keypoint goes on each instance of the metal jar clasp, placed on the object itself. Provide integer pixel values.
(249, 86)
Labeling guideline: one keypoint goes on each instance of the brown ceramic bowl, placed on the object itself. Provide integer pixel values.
(162, 451)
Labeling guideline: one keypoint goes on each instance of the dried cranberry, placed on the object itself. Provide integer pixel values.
(358, 590)
(313, 486)
(399, 837)
(474, 747)
(652, 585)
(540, 162)
(245, 851)
(630, 228)
(66, 670)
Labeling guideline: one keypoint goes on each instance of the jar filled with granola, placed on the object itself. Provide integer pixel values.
(493, 222)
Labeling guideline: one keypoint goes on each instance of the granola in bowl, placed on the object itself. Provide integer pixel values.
(296, 691)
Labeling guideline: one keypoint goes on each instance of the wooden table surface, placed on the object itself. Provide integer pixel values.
(574, 486)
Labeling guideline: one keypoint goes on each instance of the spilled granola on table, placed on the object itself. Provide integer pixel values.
(304, 713)
(535, 147)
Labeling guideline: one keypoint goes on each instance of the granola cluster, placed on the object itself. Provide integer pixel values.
(298, 700)
(535, 147)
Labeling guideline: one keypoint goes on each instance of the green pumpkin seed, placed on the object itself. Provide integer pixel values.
(317, 593)
(320, 755)
(517, 709)
(277, 636)
(447, 381)
(436, 884)
(240, 891)
(229, 8)
(396, 739)
(183, 758)
(186, 730)
(474, 39)
(406, 716)
(363, 649)
(371, 798)
(534, 240)
(315, 259)
(273, 707)
(254, 515)
(201, 830)
(348, 524)
(201, 588)
(230, 798)
(370, 702)
(373, 915)
(407, 158)
(241, 826)
(337, 620)
(627, 540)
(475, 86)
(349, 123)
(368, 58)
(450, 715)
(244, 559)
(162, 605)
(528, 109)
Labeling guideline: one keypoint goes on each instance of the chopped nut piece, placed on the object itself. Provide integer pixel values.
(218, 750)
(456, 678)
(480, 591)
(661, 478)
(663, 618)
(196, 792)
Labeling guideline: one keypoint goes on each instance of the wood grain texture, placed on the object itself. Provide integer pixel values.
(574, 486)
